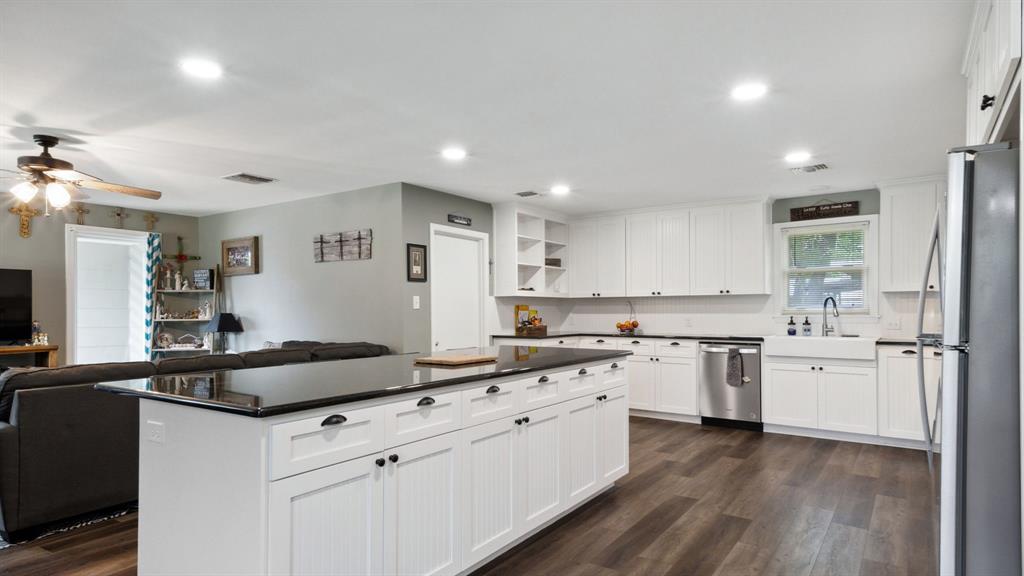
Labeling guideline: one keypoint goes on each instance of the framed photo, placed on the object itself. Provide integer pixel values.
(240, 256)
(416, 262)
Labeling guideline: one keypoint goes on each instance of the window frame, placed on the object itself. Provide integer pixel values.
(870, 225)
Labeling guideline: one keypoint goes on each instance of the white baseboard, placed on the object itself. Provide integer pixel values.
(665, 416)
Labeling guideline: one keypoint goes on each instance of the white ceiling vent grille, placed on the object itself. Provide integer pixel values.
(809, 168)
(249, 178)
(527, 194)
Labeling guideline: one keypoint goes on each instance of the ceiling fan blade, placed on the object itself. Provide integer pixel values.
(71, 175)
(119, 188)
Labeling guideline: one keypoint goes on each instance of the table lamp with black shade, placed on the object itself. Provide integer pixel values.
(222, 323)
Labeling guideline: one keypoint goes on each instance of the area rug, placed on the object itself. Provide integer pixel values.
(72, 526)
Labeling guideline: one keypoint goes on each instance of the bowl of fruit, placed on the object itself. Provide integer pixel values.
(627, 328)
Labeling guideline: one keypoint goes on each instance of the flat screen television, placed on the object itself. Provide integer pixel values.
(15, 306)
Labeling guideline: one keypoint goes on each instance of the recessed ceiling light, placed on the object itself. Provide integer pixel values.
(560, 190)
(200, 68)
(453, 153)
(798, 156)
(749, 91)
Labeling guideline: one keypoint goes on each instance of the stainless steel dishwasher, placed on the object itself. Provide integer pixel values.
(730, 384)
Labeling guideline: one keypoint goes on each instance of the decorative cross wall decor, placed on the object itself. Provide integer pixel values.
(151, 220)
(181, 257)
(120, 214)
(80, 210)
(25, 214)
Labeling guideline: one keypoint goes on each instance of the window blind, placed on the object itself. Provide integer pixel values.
(826, 263)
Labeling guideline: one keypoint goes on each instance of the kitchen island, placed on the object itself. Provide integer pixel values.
(374, 465)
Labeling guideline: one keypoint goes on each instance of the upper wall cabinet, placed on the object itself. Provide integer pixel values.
(728, 249)
(598, 265)
(658, 254)
(906, 216)
(992, 58)
(531, 251)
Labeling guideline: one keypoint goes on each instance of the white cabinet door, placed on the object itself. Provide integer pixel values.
(421, 507)
(540, 470)
(610, 255)
(581, 448)
(676, 385)
(489, 519)
(905, 221)
(899, 408)
(613, 435)
(583, 261)
(642, 378)
(674, 253)
(790, 394)
(707, 250)
(745, 257)
(847, 399)
(328, 521)
(642, 255)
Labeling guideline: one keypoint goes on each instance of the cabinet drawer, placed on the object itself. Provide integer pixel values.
(542, 390)
(598, 342)
(612, 375)
(581, 381)
(489, 402)
(637, 346)
(325, 439)
(421, 417)
(676, 348)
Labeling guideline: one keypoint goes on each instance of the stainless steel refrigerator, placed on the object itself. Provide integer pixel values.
(980, 504)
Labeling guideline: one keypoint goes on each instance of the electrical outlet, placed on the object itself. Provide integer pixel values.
(415, 302)
(892, 324)
(688, 323)
(155, 431)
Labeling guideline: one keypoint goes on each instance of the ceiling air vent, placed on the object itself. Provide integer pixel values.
(527, 194)
(809, 168)
(249, 178)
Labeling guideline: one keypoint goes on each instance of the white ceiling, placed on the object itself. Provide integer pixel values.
(626, 102)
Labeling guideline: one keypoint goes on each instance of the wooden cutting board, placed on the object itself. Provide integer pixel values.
(456, 360)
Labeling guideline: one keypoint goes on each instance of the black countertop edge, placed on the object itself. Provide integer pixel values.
(898, 342)
(263, 412)
(615, 335)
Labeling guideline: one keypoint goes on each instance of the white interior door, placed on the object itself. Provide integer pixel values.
(458, 287)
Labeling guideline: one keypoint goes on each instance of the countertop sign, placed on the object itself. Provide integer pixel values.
(833, 210)
(460, 220)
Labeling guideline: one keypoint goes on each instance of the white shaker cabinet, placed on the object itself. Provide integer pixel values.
(707, 250)
(642, 255)
(676, 387)
(727, 249)
(613, 435)
(658, 254)
(581, 438)
(541, 466)
(642, 381)
(847, 399)
(789, 394)
(906, 216)
(489, 515)
(598, 249)
(993, 56)
(899, 398)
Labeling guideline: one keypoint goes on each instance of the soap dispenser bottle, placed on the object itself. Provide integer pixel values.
(807, 326)
(791, 327)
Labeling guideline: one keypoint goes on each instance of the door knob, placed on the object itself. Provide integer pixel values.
(393, 458)
(526, 419)
(380, 462)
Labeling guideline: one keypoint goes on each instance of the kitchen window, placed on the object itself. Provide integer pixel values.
(834, 259)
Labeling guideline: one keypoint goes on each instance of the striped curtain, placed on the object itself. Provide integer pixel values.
(153, 259)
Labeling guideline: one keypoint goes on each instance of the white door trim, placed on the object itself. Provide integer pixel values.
(72, 232)
(483, 253)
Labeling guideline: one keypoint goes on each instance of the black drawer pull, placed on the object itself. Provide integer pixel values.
(674, 344)
(380, 462)
(987, 101)
(582, 371)
(493, 390)
(599, 341)
(526, 419)
(615, 365)
(333, 420)
(909, 352)
(426, 401)
(635, 342)
(543, 379)
(937, 353)
(393, 458)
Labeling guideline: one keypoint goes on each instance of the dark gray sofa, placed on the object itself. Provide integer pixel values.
(68, 450)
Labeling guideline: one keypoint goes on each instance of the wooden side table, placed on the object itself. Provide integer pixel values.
(44, 355)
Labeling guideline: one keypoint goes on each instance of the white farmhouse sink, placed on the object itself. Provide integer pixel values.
(859, 348)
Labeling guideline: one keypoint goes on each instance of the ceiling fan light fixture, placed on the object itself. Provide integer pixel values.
(24, 191)
(57, 195)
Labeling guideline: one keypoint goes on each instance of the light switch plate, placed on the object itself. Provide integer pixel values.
(155, 431)
(415, 302)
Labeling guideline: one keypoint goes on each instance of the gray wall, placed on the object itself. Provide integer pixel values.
(421, 207)
(43, 253)
(295, 298)
(869, 203)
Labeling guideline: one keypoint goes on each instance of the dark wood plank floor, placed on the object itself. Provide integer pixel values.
(698, 500)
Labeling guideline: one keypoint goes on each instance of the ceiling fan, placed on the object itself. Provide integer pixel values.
(58, 178)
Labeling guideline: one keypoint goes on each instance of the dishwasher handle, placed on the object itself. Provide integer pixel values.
(716, 350)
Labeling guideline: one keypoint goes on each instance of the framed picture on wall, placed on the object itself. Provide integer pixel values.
(416, 262)
(240, 256)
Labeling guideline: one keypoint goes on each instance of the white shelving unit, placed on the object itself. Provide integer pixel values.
(525, 239)
(180, 326)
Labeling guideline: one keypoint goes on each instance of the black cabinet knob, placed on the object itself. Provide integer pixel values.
(651, 358)
(493, 390)
(659, 292)
(652, 292)
(543, 379)
(561, 341)
(987, 101)
(821, 368)
(526, 419)
(728, 291)
(813, 368)
(721, 291)
(334, 420)
(393, 458)
(599, 294)
(582, 371)
(380, 462)
(593, 293)
(519, 421)
(426, 401)
(657, 359)
(931, 286)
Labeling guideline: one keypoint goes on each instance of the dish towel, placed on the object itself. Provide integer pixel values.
(734, 369)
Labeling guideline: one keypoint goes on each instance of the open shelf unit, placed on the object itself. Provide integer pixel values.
(177, 301)
(526, 241)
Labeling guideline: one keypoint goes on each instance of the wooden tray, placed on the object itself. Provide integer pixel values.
(456, 360)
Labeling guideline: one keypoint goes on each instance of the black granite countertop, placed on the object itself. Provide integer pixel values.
(270, 391)
(570, 334)
(897, 342)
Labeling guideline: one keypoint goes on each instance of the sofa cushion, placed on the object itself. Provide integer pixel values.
(203, 363)
(348, 350)
(303, 344)
(15, 379)
(274, 357)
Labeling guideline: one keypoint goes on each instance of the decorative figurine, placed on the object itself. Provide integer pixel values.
(177, 279)
(168, 285)
(184, 284)
(164, 340)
